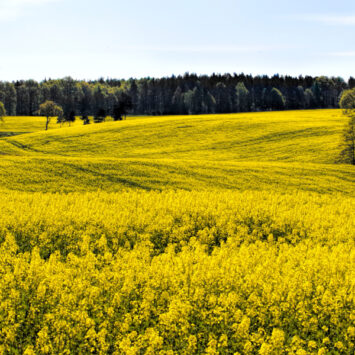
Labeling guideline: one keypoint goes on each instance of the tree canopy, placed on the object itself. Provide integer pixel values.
(347, 101)
(174, 95)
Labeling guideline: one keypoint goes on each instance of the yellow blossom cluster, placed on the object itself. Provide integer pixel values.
(177, 273)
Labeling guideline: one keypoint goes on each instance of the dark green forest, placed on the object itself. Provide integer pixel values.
(187, 94)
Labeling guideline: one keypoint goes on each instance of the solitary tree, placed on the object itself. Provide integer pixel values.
(100, 116)
(66, 117)
(71, 117)
(117, 113)
(49, 109)
(85, 119)
(2, 112)
(347, 103)
(61, 119)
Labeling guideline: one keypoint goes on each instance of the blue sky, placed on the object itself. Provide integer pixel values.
(137, 38)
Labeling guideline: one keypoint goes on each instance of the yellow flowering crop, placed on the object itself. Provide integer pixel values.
(177, 273)
(282, 151)
(208, 234)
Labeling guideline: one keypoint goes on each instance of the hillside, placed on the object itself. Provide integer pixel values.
(286, 151)
(256, 257)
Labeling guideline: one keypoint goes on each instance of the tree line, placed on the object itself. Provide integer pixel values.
(108, 97)
(187, 94)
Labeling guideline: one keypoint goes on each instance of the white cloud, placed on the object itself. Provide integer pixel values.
(347, 20)
(11, 9)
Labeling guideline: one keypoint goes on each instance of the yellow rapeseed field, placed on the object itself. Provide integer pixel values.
(282, 151)
(212, 234)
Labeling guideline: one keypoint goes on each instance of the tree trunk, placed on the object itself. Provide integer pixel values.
(47, 122)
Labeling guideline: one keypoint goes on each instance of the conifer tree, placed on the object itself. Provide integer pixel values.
(100, 116)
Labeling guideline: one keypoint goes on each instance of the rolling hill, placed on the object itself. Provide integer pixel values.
(286, 151)
(212, 234)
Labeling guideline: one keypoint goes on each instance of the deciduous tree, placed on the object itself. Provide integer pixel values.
(347, 103)
(242, 98)
(49, 109)
(277, 100)
(71, 117)
(347, 155)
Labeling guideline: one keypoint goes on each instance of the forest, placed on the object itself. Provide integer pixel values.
(187, 94)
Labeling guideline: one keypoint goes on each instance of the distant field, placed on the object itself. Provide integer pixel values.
(209, 234)
(303, 136)
(293, 150)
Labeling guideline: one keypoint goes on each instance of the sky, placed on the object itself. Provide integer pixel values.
(88, 39)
